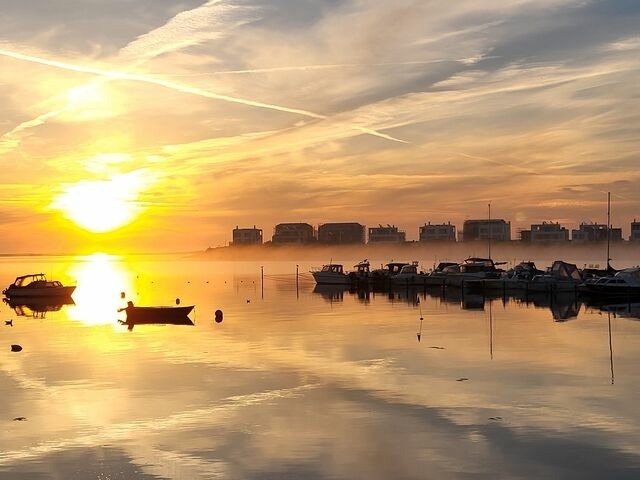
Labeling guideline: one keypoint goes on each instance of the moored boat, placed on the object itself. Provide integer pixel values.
(409, 275)
(473, 268)
(562, 277)
(334, 274)
(159, 314)
(384, 274)
(37, 285)
(331, 274)
(624, 283)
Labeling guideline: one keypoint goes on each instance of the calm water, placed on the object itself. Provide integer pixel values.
(301, 383)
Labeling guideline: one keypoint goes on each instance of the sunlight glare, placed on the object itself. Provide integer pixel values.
(102, 205)
(100, 279)
(89, 101)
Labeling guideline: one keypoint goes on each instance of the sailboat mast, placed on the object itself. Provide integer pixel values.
(608, 230)
(489, 237)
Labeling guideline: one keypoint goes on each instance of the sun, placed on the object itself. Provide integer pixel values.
(101, 205)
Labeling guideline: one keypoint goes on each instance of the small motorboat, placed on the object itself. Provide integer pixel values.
(331, 274)
(625, 283)
(37, 285)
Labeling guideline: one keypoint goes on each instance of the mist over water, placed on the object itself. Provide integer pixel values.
(622, 254)
(304, 381)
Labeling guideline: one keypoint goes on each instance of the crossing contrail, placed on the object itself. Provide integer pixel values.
(187, 89)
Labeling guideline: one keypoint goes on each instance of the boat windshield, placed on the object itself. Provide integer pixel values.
(29, 279)
(332, 268)
(409, 269)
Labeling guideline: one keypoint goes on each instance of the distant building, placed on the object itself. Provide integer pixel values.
(495, 229)
(293, 233)
(341, 233)
(635, 231)
(595, 232)
(444, 232)
(545, 232)
(388, 234)
(247, 236)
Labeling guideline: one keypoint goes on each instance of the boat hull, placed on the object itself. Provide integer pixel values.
(323, 278)
(619, 291)
(177, 315)
(49, 292)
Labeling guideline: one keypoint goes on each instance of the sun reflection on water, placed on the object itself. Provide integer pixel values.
(100, 280)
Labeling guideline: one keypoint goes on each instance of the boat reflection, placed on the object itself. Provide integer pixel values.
(37, 307)
(563, 305)
(130, 322)
(331, 293)
(623, 310)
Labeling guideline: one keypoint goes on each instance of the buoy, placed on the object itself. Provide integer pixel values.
(218, 316)
(16, 348)
(122, 295)
(177, 301)
(9, 322)
(248, 301)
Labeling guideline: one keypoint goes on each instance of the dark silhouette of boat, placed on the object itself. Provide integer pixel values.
(177, 315)
(37, 285)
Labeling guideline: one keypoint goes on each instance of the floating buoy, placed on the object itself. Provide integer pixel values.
(177, 301)
(218, 316)
(122, 295)
(248, 301)
(16, 348)
(9, 322)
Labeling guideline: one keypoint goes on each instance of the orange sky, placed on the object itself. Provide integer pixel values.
(161, 125)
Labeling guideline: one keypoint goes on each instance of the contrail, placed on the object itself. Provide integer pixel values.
(332, 66)
(7, 144)
(116, 75)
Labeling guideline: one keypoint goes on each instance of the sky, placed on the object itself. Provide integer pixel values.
(160, 125)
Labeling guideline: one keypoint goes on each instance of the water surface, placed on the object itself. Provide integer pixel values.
(306, 382)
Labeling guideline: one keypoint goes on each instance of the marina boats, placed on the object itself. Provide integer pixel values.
(562, 277)
(514, 279)
(36, 285)
(409, 275)
(625, 283)
(334, 274)
(437, 277)
(391, 269)
(473, 268)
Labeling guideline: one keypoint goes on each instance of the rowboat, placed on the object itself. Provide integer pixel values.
(156, 315)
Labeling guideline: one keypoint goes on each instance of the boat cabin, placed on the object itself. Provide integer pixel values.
(34, 280)
(362, 268)
(332, 268)
(474, 265)
(394, 268)
(409, 269)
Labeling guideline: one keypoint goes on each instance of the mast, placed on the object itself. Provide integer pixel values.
(489, 222)
(608, 230)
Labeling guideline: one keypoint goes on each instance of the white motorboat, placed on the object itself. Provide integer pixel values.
(331, 274)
